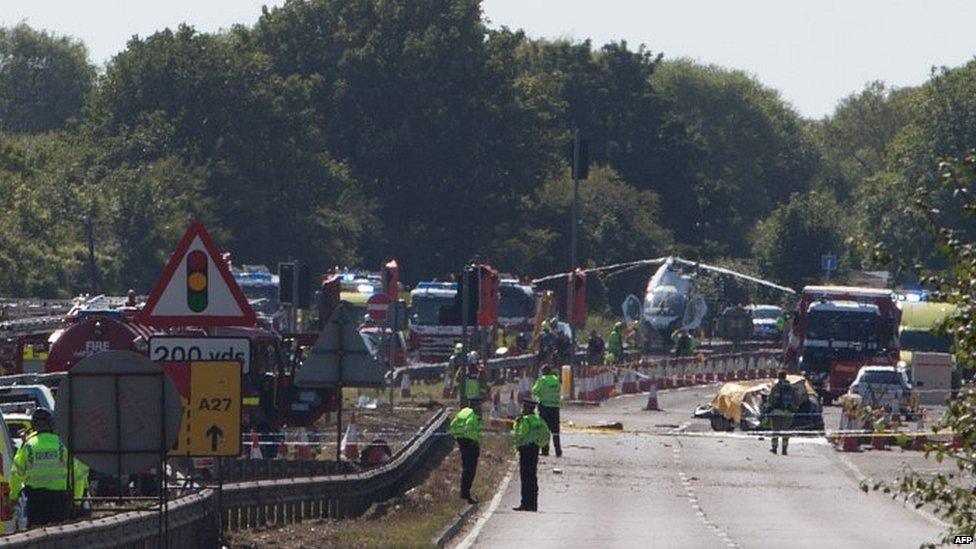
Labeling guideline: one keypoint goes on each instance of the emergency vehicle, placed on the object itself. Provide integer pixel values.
(268, 392)
(838, 329)
(516, 306)
(433, 331)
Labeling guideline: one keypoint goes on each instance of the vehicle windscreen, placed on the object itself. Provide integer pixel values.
(426, 309)
(840, 335)
(766, 314)
(887, 377)
(841, 326)
(515, 303)
(925, 341)
(263, 299)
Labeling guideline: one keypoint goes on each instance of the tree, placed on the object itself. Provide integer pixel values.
(215, 103)
(788, 244)
(941, 120)
(427, 110)
(744, 153)
(949, 494)
(44, 79)
(854, 141)
(617, 223)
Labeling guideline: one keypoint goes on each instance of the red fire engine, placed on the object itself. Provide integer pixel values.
(838, 329)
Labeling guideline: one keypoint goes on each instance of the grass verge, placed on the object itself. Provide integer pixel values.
(409, 520)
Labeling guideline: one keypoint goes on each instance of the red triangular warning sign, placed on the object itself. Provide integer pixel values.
(196, 288)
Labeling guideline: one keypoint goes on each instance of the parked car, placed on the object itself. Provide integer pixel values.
(766, 323)
(40, 395)
(8, 519)
(17, 422)
(884, 387)
(741, 404)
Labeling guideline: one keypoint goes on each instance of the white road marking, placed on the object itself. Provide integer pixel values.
(694, 502)
(496, 500)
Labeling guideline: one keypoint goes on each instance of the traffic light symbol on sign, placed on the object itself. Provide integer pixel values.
(196, 281)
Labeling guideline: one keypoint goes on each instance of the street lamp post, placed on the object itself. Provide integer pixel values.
(574, 261)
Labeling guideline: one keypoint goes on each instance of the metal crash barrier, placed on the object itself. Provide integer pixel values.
(194, 520)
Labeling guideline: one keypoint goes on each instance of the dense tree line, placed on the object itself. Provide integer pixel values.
(347, 132)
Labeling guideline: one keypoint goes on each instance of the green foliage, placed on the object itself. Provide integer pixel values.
(789, 243)
(949, 494)
(346, 132)
(44, 79)
(216, 104)
(428, 111)
(854, 141)
(894, 138)
(749, 155)
(617, 223)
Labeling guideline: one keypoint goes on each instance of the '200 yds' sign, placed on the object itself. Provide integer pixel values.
(201, 349)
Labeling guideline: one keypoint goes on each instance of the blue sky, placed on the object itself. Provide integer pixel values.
(813, 52)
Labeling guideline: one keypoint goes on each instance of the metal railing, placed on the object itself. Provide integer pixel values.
(193, 520)
(264, 502)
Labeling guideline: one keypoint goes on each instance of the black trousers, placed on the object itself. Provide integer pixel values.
(46, 506)
(470, 450)
(551, 416)
(529, 475)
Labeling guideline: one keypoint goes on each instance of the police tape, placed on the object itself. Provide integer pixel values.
(611, 430)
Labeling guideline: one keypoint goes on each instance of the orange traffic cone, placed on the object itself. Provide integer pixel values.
(255, 447)
(652, 397)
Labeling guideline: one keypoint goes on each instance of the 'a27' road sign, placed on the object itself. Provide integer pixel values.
(211, 393)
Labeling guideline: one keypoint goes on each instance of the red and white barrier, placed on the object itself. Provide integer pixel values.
(255, 450)
(350, 441)
(304, 448)
(405, 385)
(524, 388)
(629, 385)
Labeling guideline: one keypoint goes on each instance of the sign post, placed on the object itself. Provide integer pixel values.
(164, 348)
(378, 306)
(828, 263)
(119, 414)
(211, 392)
(340, 359)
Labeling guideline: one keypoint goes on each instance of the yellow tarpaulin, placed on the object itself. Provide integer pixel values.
(728, 401)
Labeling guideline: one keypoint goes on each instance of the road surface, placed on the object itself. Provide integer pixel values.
(668, 481)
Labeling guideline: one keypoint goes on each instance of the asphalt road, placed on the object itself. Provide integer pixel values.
(668, 481)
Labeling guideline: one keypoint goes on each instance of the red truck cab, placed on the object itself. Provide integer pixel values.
(838, 329)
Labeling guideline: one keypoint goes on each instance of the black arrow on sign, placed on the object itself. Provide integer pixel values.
(215, 434)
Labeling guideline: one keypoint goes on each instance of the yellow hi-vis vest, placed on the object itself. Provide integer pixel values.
(41, 462)
(546, 389)
(466, 424)
(530, 429)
